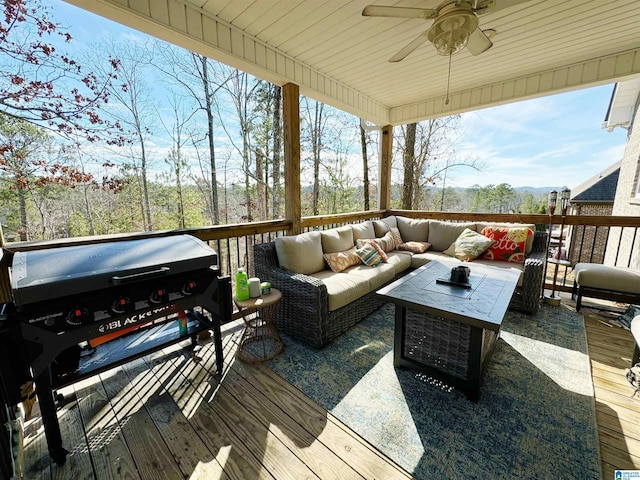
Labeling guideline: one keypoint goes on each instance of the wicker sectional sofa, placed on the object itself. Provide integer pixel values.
(318, 304)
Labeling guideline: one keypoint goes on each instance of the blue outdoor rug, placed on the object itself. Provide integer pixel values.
(535, 417)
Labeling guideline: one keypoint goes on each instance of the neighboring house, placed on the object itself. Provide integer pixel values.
(593, 197)
(624, 244)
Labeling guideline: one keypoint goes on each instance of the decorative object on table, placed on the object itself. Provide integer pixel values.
(565, 195)
(460, 274)
(242, 285)
(265, 288)
(254, 287)
(459, 277)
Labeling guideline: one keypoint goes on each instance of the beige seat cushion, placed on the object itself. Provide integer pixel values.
(618, 279)
(301, 253)
(401, 261)
(337, 239)
(342, 288)
(493, 263)
(443, 234)
(363, 230)
(419, 259)
(413, 229)
(382, 226)
(377, 276)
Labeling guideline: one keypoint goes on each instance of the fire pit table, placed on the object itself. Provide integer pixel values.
(449, 331)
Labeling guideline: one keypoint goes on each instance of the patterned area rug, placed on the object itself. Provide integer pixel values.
(535, 417)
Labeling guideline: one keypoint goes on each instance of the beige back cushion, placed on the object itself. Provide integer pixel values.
(527, 246)
(413, 229)
(443, 234)
(363, 230)
(382, 226)
(337, 239)
(301, 253)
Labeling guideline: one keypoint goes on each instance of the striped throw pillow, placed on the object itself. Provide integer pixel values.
(369, 255)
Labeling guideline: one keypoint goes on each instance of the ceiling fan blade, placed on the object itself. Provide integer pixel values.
(478, 42)
(415, 43)
(399, 12)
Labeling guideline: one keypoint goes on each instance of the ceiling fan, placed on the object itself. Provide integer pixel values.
(455, 25)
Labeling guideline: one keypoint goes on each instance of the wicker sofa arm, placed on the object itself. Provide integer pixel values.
(527, 297)
(534, 263)
(539, 243)
(304, 305)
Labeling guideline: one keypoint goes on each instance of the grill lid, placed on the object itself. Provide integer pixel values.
(57, 272)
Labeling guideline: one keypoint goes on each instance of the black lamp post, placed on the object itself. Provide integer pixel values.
(557, 259)
(553, 198)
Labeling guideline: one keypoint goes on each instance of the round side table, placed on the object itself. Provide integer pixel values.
(260, 340)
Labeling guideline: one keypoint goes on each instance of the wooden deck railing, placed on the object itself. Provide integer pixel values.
(587, 238)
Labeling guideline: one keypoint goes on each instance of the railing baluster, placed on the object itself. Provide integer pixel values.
(633, 244)
(619, 244)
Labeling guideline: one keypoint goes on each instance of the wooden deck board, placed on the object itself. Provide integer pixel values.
(617, 413)
(188, 449)
(151, 454)
(110, 455)
(172, 415)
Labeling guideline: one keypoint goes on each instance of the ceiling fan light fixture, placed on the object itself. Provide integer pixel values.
(450, 32)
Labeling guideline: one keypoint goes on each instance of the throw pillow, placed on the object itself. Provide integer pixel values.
(397, 238)
(414, 247)
(340, 261)
(369, 255)
(468, 245)
(386, 243)
(375, 244)
(510, 243)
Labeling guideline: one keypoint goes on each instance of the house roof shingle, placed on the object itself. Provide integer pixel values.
(600, 188)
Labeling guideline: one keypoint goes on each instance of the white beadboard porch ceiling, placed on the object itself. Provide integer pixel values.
(339, 57)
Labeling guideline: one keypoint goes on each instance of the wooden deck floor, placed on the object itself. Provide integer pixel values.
(617, 413)
(168, 416)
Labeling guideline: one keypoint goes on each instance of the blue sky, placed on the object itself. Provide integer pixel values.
(549, 141)
(545, 142)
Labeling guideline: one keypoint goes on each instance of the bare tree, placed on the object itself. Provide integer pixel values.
(315, 122)
(241, 89)
(277, 146)
(175, 159)
(428, 156)
(365, 168)
(135, 109)
(409, 165)
(201, 79)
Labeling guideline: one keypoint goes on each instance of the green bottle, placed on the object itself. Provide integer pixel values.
(242, 285)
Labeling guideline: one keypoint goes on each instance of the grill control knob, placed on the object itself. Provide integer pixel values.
(159, 295)
(122, 305)
(77, 316)
(189, 287)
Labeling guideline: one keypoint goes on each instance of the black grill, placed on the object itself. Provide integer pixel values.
(73, 304)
